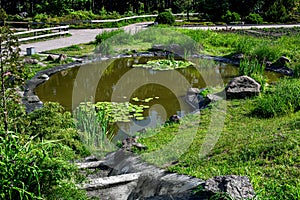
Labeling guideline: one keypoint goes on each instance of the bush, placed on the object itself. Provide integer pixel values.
(52, 123)
(107, 34)
(282, 100)
(35, 170)
(254, 18)
(165, 18)
(231, 17)
(41, 17)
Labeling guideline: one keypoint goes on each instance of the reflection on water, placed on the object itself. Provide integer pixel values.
(116, 81)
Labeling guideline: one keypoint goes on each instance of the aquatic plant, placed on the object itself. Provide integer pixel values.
(169, 64)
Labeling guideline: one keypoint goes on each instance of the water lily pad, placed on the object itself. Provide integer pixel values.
(164, 64)
(135, 99)
(139, 118)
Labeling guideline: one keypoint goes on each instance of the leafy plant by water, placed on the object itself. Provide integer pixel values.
(165, 64)
(254, 69)
(94, 129)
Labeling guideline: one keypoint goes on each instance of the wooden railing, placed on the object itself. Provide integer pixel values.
(134, 17)
(42, 33)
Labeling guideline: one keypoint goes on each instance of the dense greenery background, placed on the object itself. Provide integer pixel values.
(270, 10)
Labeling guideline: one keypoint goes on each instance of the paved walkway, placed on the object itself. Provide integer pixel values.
(80, 36)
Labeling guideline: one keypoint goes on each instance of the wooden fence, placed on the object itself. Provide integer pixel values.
(42, 33)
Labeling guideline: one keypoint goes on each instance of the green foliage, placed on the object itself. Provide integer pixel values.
(255, 69)
(80, 15)
(265, 150)
(231, 17)
(35, 170)
(52, 123)
(254, 18)
(41, 17)
(107, 34)
(277, 12)
(165, 18)
(3, 15)
(94, 129)
(169, 64)
(297, 70)
(121, 112)
(282, 100)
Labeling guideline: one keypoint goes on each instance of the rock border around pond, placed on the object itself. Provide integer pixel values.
(129, 177)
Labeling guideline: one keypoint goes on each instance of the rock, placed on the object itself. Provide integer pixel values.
(280, 66)
(129, 143)
(174, 119)
(281, 70)
(193, 91)
(61, 58)
(198, 101)
(173, 48)
(242, 87)
(213, 97)
(31, 61)
(238, 56)
(131, 178)
(50, 58)
(33, 99)
(44, 77)
(283, 60)
(238, 187)
(150, 186)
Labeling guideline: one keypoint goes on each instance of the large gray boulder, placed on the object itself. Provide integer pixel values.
(242, 87)
(237, 187)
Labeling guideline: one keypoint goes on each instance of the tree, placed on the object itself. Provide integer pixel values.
(184, 5)
(10, 71)
(231, 17)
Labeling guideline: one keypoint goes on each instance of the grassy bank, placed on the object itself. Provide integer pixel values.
(265, 150)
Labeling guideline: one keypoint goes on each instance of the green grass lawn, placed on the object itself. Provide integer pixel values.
(79, 50)
(265, 150)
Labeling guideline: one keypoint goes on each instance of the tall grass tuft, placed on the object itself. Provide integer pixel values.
(283, 99)
(94, 129)
(254, 69)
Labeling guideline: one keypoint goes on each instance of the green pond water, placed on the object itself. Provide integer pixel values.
(116, 81)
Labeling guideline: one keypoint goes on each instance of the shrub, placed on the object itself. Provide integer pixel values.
(3, 15)
(282, 100)
(254, 18)
(231, 17)
(52, 123)
(35, 170)
(41, 17)
(107, 34)
(165, 18)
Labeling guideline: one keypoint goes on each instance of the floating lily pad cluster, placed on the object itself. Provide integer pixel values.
(121, 112)
(165, 64)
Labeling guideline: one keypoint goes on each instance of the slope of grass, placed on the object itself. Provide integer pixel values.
(265, 150)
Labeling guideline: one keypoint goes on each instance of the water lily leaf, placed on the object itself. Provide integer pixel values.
(139, 118)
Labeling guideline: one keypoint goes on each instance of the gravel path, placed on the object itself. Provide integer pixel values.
(80, 36)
